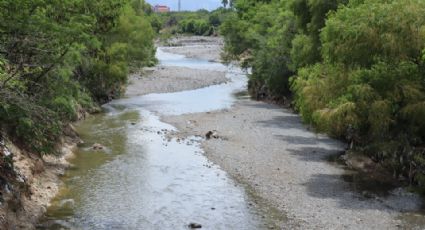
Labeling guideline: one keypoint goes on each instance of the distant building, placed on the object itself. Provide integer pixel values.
(161, 9)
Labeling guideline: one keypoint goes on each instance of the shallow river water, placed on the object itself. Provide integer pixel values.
(146, 180)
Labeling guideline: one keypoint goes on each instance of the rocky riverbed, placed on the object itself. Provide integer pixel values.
(168, 79)
(263, 169)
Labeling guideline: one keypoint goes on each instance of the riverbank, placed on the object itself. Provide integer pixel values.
(38, 181)
(268, 148)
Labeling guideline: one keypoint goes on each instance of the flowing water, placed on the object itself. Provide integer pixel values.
(145, 180)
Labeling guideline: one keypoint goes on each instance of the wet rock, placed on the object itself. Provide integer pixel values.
(194, 225)
(97, 147)
(211, 134)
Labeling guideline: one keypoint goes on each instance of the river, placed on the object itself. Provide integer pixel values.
(144, 179)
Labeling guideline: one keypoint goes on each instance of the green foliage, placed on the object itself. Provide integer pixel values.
(60, 55)
(36, 127)
(259, 34)
(375, 31)
(128, 44)
(201, 22)
(196, 27)
(356, 69)
(310, 19)
(370, 88)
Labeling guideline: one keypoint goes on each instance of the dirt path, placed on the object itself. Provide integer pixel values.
(269, 149)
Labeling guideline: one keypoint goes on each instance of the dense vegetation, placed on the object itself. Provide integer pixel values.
(59, 58)
(201, 22)
(354, 69)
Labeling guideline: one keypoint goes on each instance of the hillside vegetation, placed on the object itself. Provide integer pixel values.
(353, 69)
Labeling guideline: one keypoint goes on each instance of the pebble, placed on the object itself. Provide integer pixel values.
(194, 225)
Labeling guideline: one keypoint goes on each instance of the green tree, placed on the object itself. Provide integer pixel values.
(225, 3)
(56, 56)
(370, 88)
(355, 68)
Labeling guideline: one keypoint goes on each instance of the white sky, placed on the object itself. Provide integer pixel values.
(188, 4)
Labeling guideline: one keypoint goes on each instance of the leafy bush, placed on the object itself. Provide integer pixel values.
(355, 69)
(195, 26)
(262, 41)
(60, 56)
(34, 126)
(201, 22)
(370, 89)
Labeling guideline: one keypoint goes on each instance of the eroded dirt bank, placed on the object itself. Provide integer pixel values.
(33, 182)
(268, 148)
